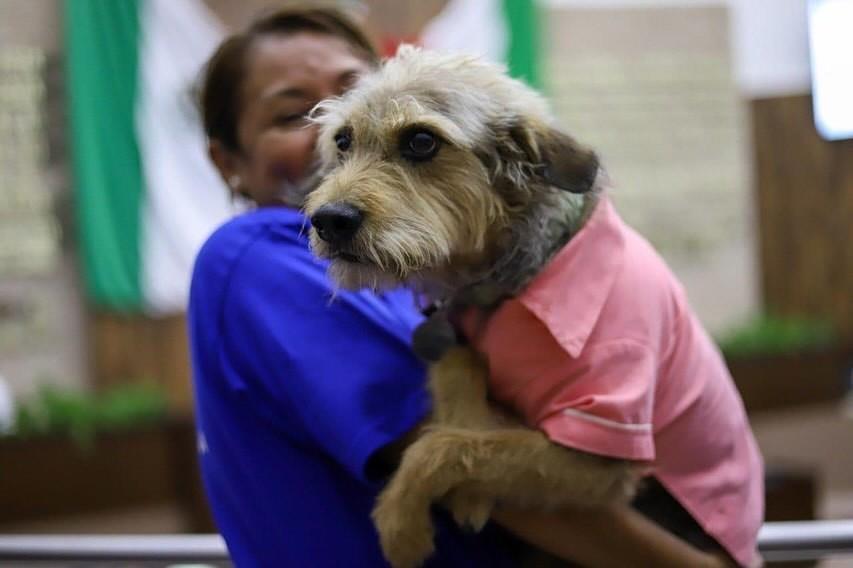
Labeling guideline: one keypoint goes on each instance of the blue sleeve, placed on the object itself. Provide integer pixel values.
(336, 372)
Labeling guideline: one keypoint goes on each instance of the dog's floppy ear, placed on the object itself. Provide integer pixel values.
(568, 165)
(555, 156)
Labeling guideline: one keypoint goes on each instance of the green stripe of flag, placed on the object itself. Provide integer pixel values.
(522, 19)
(102, 42)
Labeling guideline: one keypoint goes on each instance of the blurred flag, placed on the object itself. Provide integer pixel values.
(504, 31)
(146, 194)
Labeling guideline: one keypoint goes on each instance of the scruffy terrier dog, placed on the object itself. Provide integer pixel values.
(445, 174)
(445, 181)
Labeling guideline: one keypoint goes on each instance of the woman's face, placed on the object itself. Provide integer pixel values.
(286, 76)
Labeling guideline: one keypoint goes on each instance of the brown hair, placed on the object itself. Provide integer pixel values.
(223, 76)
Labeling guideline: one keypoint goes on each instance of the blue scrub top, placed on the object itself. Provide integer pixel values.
(297, 385)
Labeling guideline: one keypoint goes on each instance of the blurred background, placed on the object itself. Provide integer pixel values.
(725, 124)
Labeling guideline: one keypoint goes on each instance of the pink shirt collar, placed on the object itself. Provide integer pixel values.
(570, 292)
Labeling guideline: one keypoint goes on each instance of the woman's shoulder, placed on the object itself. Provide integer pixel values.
(260, 249)
(233, 239)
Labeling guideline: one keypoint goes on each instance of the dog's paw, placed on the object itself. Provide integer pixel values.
(405, 531)
(469, 510)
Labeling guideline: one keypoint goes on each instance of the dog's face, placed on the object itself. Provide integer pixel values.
(429, 159)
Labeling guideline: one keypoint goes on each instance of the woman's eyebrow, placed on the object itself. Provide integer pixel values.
(284, 92)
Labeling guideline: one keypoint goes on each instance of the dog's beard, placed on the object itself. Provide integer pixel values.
(355, 276)
(385, 260)
(357, 268)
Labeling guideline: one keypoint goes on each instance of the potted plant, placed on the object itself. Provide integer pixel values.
(784, 362)
(71, 453)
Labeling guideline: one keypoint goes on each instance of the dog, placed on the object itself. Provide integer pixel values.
(445, 174)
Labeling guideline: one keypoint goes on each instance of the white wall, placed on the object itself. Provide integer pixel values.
(769, 40)
(770, 44)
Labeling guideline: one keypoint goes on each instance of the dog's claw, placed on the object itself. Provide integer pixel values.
(469, 510)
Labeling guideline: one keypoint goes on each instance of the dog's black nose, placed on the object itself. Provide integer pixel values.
(337, 223)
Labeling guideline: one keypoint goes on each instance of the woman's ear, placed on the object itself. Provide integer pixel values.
(227, 165)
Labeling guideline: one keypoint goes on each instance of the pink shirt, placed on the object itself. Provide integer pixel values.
(602, 353)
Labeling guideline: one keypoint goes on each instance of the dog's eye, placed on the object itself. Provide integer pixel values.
(419, 145)
(343, 140)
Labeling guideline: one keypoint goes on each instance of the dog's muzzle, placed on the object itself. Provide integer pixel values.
(337, 223)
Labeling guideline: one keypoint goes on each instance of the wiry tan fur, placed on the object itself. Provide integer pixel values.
(505, 191)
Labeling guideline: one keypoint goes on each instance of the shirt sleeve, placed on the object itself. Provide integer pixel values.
(605, 402)
(331, 368)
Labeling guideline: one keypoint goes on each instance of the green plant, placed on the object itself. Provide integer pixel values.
(82, 415)
(769, 335)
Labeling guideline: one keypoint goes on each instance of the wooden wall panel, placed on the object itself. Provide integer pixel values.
(137, 348)
(805, 213)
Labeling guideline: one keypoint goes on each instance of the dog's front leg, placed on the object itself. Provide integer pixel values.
(522, 468)
(458, 388)
(402, 512)
(457, 383)
(403, 521)
(515, 466)
(429, 469)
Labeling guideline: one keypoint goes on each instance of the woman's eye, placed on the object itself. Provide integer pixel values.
(290, 119)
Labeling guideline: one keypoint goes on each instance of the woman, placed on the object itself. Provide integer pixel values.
(298, 386)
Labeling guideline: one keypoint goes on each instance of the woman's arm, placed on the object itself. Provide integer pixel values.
(616, 536)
